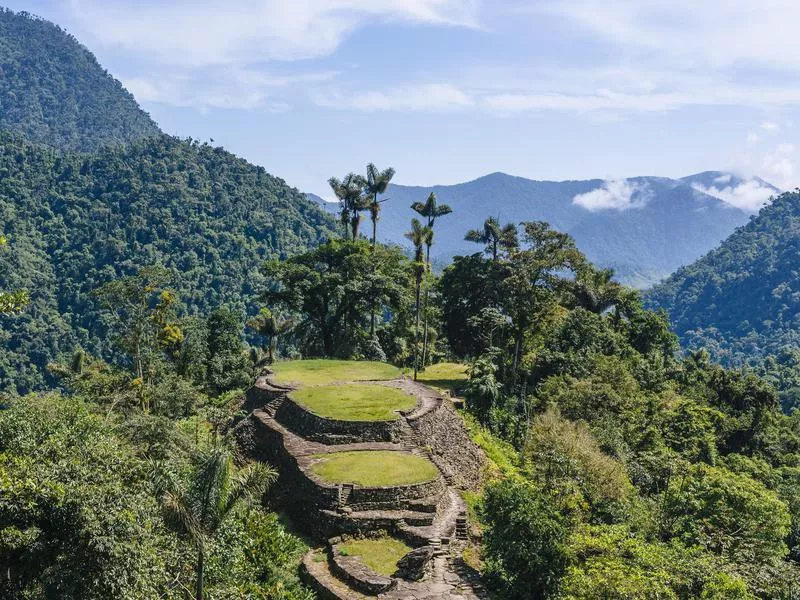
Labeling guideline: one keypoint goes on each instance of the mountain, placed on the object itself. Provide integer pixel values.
(742, 300)
(76, 221)
(643, 227)
(53, 91)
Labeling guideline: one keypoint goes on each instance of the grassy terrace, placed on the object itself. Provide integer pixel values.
(355, 402)
(379, 554)
(322, 372)
(445, 376)
(374, 468)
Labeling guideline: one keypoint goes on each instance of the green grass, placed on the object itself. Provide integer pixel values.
(322, 371)
(503, 458)
(379, 554)
(355, 402)
(445, 376)
(374, 468)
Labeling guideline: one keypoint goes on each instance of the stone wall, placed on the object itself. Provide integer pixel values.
(442, 433)
(334, 431)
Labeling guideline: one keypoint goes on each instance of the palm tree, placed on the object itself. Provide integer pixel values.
(494, 237)
(429, 209)
(419, 236)
(215, 489)
(272, 327)
(377, 182)
(596, 291)
(349, 191)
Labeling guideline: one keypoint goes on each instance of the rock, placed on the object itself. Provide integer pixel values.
(414, 565)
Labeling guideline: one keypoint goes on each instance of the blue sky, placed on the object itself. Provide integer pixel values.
(449, 90)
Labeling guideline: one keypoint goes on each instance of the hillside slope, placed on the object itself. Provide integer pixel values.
(53, 91)
(75, 222)
(742, 300)
(666, 223)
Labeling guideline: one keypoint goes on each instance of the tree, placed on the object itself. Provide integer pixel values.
(525, 540)
(493, 236)
(272, 327)
(332, 288)
(349, 191)
(227, 362)
(12, 302)
(377, 182)
(142, 313)
(595, 290)
(431, 210)
(216, 488)
(419, 236)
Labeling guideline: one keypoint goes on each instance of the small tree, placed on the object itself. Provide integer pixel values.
(197, 509)
(272, 327)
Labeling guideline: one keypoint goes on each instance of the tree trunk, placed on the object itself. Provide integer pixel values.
(198, 589)
(372, 300)
(425, 310)
(416, 326)
(374, 231)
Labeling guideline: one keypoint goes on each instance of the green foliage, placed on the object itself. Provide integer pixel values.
(80, 221)
(740, 301)
(525, 540)
(726, 513)
(53, 91)
(332, 289)
(228, 367)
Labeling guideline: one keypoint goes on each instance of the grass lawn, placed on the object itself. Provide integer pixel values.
(444, 376)
(379, 554)
(374, 468)
(355, 402)
(321, 371)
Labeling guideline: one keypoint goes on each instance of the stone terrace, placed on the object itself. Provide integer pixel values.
(430, 516)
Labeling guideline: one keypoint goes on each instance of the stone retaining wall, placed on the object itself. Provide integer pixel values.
(442, 433)
(334, 431)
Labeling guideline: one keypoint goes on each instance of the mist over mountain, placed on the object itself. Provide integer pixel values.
(643, 227)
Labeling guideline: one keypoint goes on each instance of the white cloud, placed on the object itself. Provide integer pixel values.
(220, 88)
(779, 166)
(711, 34)
(724, 178)
(748, 195)
(208, 32)
(614, 194)
(769, 126)
(423, 97)
(752, 137)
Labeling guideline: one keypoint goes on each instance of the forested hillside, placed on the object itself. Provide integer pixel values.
(742, 299)
(75, 222)
(53, 91)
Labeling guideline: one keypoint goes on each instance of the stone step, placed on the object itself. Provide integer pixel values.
(378, 519)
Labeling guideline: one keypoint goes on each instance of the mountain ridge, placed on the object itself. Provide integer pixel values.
(665, 224)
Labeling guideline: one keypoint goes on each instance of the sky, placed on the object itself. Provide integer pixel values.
(446, 91)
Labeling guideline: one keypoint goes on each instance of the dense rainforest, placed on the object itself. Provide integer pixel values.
(53, 91)
(77, 221)
(741, 302)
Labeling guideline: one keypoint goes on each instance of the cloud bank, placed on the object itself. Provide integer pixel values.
(614, 194)
(748, 195)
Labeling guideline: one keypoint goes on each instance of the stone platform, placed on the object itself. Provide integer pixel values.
(429, 516)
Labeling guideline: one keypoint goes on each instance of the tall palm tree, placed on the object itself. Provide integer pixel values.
(349, 191)
(272, 327)
(429, 209)
(377, 182)
(419, 236)
(494, 237)
(197, 509)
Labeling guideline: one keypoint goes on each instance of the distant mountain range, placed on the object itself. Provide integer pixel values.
(643, 227)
